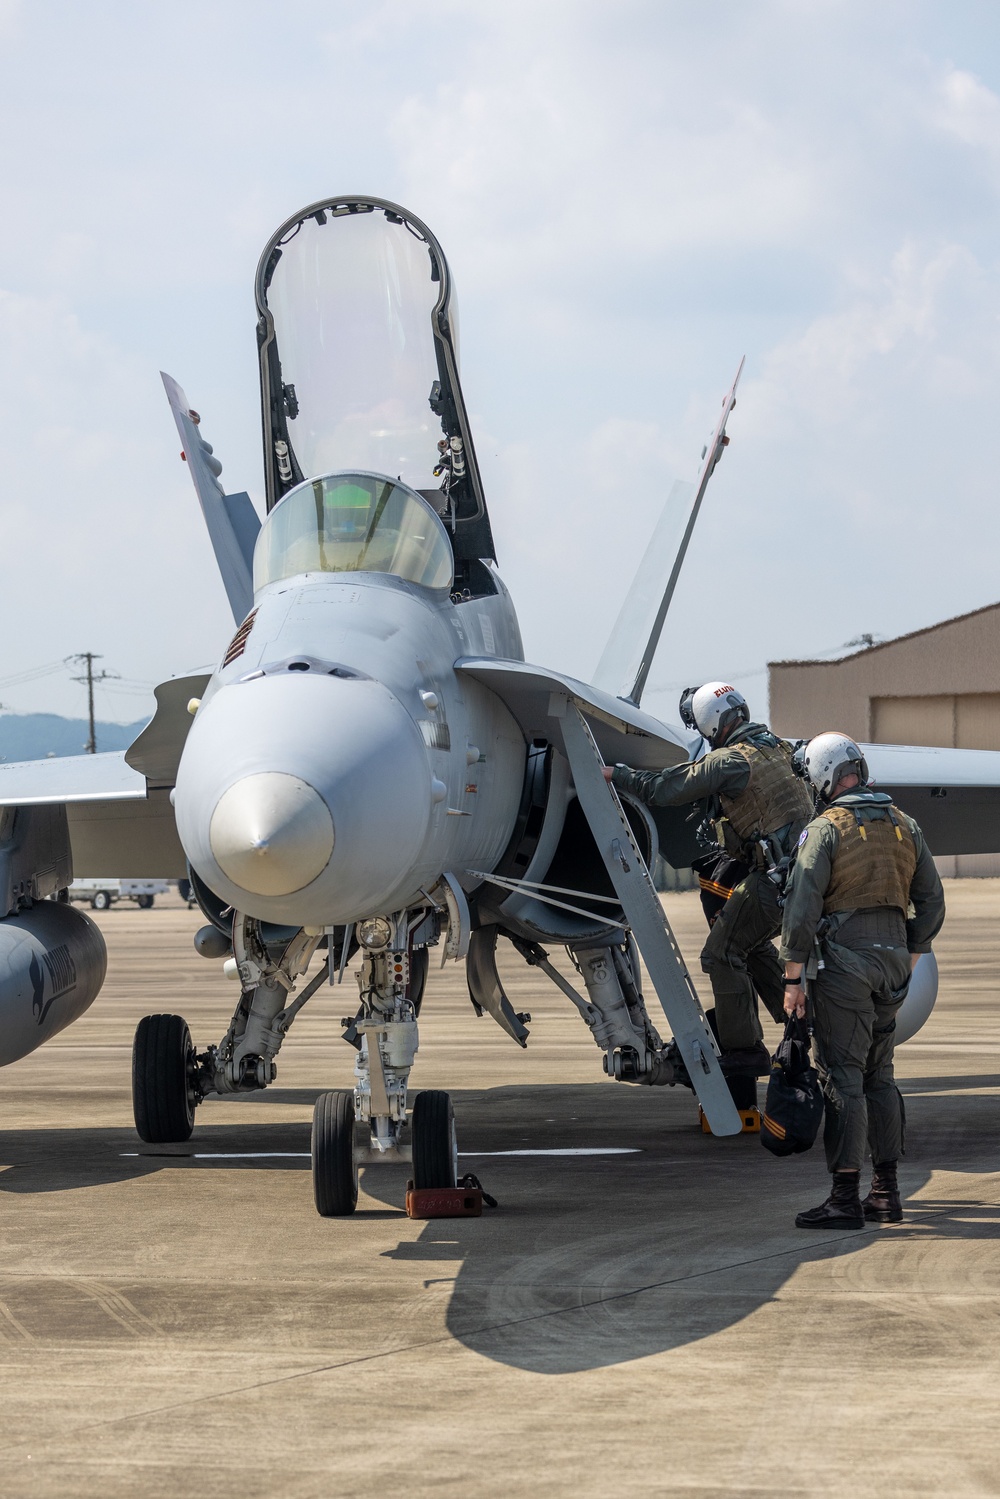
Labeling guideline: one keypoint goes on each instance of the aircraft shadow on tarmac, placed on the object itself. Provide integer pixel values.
(591, 1260)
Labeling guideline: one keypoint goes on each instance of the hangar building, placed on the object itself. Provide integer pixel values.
(938, 686)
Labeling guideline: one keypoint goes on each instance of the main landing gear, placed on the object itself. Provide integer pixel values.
(350, 1128)
(164, 1090)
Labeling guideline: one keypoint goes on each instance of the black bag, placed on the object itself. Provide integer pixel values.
(793, 1107)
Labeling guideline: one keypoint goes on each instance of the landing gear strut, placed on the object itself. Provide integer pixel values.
(384, 1031)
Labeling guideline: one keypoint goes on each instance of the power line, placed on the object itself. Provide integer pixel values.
(32, 674)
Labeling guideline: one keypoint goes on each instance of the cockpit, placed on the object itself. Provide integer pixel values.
(351, 523)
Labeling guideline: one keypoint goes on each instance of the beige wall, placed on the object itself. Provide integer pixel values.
(940, 686)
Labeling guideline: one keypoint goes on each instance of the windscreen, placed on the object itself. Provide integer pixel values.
(353, 523)
(351, 298)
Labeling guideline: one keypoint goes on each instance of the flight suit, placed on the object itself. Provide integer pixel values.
(756, 797)
(865, 887)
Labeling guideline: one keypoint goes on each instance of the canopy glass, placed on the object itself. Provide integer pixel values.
(351, 296)
(352, 522)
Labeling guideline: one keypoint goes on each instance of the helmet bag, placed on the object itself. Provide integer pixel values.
(793, 1106)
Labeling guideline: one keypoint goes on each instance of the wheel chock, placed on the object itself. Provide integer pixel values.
(749, 1119)
(445, 1202)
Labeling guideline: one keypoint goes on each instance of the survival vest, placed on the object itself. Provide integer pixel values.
(874, 862)
(774, 796)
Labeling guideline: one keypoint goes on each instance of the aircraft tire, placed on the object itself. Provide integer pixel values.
(435, 1150)
(101, 900)
(334, 1172)
(163, 1099)
(144, 902)
(419, 965)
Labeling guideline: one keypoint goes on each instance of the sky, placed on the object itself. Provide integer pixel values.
(632, 195)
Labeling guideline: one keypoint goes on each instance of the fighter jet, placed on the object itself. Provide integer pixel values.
(373, 769)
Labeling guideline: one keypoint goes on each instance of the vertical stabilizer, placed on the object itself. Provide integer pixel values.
(232, 521)
(624, 666)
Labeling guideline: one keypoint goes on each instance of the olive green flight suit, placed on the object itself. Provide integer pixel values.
(862, 866)
(750, 782)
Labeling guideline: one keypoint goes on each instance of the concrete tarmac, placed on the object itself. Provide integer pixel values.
(177, 1320)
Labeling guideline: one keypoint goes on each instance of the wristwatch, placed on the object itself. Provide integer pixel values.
(791, 983)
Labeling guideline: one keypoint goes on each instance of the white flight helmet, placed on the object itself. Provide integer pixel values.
(830, 756)
(718, 708)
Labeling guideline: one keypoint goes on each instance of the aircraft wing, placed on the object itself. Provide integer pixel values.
(69, 778)
(622, 731)
(121, 823)
(118, 827)
(954, 794)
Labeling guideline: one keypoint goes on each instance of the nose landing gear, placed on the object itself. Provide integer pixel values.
(391, 980)
(336, 1153)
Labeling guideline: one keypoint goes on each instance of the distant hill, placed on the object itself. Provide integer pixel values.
(32, 736)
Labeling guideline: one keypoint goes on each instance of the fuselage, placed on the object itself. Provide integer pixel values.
(337, 765)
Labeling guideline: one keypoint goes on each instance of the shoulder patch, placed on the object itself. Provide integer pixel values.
(803, 836)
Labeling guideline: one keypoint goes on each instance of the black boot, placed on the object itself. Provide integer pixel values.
(842, 1209)
(882, 1205)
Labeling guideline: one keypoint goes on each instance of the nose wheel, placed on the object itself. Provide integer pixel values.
(435, 1148)
(334, 1171)
(163, 1089)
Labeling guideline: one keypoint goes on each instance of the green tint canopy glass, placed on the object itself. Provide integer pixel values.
(354, 523)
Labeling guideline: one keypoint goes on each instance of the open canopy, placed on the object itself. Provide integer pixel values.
(359, 360)
(352, 306)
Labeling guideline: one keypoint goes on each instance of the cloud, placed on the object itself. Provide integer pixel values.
(103, 543)
(965, 108)
(631, 197)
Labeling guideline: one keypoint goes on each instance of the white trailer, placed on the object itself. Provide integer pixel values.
(104, 893)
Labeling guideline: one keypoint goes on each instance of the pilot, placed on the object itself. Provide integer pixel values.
(718, 872)
(760, 806)
(862, 866)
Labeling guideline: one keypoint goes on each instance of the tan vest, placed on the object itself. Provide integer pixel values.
(874, 862)
(774, 797)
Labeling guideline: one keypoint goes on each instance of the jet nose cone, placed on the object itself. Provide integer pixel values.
(271, 833)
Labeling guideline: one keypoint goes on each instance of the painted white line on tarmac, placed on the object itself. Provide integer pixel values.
(597, 1150)
(303, 1155)
(246, 1155)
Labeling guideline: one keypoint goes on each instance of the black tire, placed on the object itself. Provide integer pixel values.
(419, 965)
(101, 900)
(435, 1151)
(163, 1095)
(335, 1175)
(144, 902)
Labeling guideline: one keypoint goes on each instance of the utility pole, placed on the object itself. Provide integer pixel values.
(90, 677)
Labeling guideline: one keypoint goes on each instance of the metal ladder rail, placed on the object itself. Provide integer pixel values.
(645, 915)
